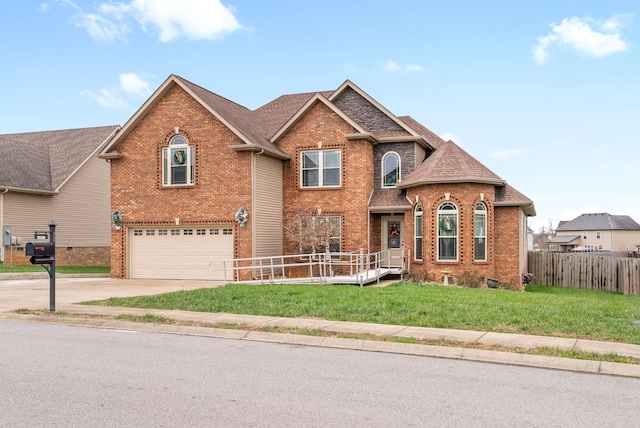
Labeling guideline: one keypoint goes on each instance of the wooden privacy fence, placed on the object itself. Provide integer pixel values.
(586, 270)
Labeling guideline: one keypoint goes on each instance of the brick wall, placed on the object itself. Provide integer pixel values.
(319, 128)
(222, 175)
(465, 196)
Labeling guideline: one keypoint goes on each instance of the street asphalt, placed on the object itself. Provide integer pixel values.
(29, 292)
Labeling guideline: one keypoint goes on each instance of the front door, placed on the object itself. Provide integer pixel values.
(393, 240)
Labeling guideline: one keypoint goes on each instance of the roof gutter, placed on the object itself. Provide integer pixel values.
(259, 150)
(24, 190)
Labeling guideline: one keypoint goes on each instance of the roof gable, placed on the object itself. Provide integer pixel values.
(276, 113)
(317, 98)
(43, 162)
(368, 113)
(240, 120)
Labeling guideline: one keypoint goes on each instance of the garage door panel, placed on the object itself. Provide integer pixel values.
(183, 253)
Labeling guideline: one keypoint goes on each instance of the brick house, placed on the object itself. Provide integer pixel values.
(189, 161)
(55, 175)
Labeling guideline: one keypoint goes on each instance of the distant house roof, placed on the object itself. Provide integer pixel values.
(41, 162)
(562, 239)
(599, 221)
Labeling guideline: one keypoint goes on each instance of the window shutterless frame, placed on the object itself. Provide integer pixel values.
(178, 163)
(321, 168)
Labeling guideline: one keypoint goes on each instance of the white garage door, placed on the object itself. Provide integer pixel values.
(179, 253)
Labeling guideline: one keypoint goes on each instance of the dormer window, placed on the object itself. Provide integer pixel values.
(178, 161)
(390, 169)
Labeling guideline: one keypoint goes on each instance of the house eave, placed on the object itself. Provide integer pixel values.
(477, 180)
(527, 206)
(362, 136)
(390, 209)
(406, 139)
(25, 190)
(259, 150)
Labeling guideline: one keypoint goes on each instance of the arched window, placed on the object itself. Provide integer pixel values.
(480, 233)
(178, 161)
(390, 169)
(447, 232)
(417, 233)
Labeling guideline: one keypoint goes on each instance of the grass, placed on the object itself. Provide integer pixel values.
(539, 310)
(59, 269)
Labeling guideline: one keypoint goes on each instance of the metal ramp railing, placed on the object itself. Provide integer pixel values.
(357, 267)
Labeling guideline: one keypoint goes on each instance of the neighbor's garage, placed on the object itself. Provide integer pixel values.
(179, 253)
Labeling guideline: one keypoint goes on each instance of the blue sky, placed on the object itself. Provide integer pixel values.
(545, 93)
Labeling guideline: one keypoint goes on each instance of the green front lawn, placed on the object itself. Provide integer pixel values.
(59, 269)
(539, 310)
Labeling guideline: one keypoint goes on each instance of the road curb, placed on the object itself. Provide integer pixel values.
(435, 351)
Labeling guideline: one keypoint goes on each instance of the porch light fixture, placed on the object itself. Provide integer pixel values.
(116, 219)
(242, 215)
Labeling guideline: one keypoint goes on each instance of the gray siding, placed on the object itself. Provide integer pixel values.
(267, 206)
(81, 210)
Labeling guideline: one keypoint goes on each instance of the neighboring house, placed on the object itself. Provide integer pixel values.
(596, 232)
(56, 176)
(189, 160)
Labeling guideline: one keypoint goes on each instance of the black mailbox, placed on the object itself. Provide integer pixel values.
(41, 253)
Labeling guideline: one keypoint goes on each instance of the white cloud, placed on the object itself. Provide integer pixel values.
(194, 19)
(105, 97)
(131, 84)
(507, 154)
(587, 36)
(168, 19)
(394, 67)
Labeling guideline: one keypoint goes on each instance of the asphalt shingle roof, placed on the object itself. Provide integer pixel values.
(42, 161)
(450, 164)
(600, 221)
(388, 198)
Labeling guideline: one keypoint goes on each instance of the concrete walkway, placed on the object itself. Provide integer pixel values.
(34, 294)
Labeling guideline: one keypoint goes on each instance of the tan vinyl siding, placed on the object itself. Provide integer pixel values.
(267, 216)
(81, 210)
(421, 154)
(524, 236)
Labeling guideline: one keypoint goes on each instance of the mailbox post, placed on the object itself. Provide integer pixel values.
(45, 254)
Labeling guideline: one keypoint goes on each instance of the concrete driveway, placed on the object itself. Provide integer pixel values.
(34, 293)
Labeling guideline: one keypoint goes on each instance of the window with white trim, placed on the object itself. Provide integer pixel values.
(447, 232)
(480, 233)
(390, 169)
(417, 233)
(320, 168)
(178, 163)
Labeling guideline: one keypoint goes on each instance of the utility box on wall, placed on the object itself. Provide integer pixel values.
(6, 235)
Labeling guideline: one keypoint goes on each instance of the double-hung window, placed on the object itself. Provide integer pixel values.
(480, 233)
(321, 168)
(417, 233)
(178, 161)
(448, 232)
